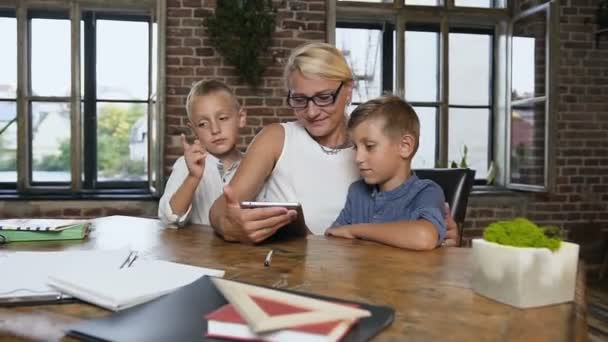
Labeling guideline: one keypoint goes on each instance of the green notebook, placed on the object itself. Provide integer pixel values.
(77, 232)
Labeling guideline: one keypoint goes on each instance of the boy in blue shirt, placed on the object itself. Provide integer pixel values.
(389, 204)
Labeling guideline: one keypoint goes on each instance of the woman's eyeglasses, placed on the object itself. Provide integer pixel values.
(320, 100)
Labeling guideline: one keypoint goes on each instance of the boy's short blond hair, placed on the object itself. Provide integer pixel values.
(204, 88)
(318, 60)
(399, 117)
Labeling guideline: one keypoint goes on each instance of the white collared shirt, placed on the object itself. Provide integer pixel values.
(209, 189)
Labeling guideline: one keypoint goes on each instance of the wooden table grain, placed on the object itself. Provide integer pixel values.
(430, 291)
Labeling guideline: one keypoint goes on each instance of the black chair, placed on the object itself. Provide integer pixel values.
(456, 185)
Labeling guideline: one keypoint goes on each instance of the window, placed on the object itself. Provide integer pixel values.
(8, 98)
(464, 118)
(365, 47)
(529, 138)
(452, 63)
(94, 140)
(422, 46)
(470, 103)
(49, 98)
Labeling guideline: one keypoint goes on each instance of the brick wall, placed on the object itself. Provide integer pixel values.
(77, 208)
(580, 200)
(191, 58)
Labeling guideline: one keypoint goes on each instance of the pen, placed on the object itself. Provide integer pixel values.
(126, 262)
(268, 258)
(135, 254)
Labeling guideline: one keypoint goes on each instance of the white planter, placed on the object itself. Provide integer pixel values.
(524, 277)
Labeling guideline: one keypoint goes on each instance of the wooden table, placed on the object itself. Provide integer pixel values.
(430, 291)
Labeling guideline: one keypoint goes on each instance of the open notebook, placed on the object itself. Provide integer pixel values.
(118, 289)
(26, 273)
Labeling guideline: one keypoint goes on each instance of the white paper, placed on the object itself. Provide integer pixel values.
(25, 273)
(120, 289)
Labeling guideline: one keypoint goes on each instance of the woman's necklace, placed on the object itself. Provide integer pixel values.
(330, 151)
(334, 150)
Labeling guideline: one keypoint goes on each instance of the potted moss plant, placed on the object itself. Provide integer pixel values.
(523, 265)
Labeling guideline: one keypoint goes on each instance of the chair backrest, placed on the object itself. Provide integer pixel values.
(456, 185)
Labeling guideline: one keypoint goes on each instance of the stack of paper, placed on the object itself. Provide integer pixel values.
(13, 230)
(26, 273)
(119, 289)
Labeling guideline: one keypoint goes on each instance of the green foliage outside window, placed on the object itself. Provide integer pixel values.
(114, 128)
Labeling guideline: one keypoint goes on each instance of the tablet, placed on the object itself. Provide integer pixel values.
(296, 228)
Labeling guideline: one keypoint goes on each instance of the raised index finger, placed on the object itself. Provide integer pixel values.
(185, 144)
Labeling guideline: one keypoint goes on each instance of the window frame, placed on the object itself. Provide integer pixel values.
(91, 99)
(447, 18)
(549, 98)
(82, 182)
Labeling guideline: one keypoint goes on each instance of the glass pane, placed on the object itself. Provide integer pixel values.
(50, 57)
(423, 2)
(528, 144)
(362, 49)
(82, 59)
(154, 57)
(8, 58)
(425, 157)
(474, 3)
(8, 142)
(421, 66)
(469, 128)
(376, 1)
(529, 57)
(50, 131)
(470, 68)
(122, 141)
(122, 49)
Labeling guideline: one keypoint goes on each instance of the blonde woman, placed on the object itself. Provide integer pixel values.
(310, 160)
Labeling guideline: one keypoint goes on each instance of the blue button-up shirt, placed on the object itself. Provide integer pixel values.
(415, 199)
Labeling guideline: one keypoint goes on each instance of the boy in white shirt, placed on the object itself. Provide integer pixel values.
(209, 163)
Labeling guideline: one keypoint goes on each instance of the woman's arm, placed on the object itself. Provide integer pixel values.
(251, 225)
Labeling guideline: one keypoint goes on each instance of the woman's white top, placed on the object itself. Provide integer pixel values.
(306, 174)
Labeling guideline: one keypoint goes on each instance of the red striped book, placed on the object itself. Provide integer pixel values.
(226, 322)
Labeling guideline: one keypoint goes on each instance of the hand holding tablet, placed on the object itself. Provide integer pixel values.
(297, 228)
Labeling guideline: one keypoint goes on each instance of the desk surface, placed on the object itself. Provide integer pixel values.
(430, 291)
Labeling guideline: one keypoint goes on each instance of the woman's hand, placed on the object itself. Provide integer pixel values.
(252, 225)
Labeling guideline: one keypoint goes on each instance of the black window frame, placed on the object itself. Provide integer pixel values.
(388, 29)
(90, 101)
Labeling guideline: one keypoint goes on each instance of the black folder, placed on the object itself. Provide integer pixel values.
(180, 316)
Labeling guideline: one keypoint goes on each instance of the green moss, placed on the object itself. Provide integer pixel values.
(521, 232)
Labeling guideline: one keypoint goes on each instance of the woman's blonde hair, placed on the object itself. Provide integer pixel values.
(318, 60)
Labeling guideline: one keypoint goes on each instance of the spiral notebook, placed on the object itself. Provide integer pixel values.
(39, 224)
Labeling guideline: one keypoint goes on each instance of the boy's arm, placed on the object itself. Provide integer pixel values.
(166, 212)
(424, 232)
(415, 235)
(176, 202)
